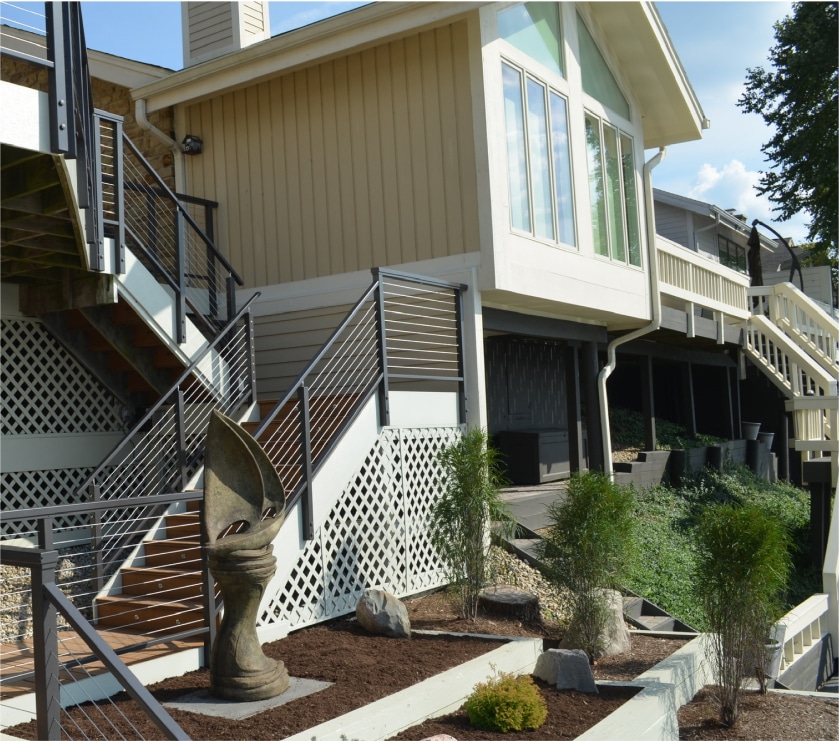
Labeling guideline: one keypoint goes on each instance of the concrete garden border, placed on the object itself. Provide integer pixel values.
(438, 695)
(651, 715)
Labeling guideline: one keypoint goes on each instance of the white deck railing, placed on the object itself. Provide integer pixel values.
(801, 319)
(695, 279)
(803, 626)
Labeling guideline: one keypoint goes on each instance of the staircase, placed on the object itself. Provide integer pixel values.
(796, 344)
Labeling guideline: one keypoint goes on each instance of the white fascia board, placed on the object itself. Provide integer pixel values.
(638, 39)
(51, 452)
(24, 118)
(326, 39)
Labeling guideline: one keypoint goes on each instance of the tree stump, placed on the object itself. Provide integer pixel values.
(508, 601)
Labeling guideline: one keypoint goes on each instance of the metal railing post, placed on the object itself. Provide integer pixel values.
(381, 336)
(180, 431)
(250, 349)
(180, 252)
(44, 527)
(119, 199)
(45, 650)
(306, 456)
(58, 93)
(230, 285)
(96, 537)
(461, 361)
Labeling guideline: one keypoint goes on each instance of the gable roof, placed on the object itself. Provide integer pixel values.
(634, 31)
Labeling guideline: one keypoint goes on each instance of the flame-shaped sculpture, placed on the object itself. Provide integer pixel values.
(241, 486)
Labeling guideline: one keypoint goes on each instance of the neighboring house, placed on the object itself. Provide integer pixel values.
(722, 235)
(488, 157)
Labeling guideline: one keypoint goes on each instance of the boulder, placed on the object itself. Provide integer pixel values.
(509, 601)
(568, 670)
(615, 639)
(381, 613)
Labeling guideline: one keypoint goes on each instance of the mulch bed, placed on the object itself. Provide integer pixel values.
(366, 668)
(775, 716)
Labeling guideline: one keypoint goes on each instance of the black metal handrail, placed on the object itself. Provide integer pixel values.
(308, 421)
(48, 602)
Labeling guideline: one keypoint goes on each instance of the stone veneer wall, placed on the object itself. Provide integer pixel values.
(114, 99)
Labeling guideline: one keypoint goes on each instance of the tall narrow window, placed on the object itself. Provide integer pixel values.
(633, 231)
(596, 186)
(516, 149)
(560, 148)
(613, 194)
(614, 201)
(540, 164)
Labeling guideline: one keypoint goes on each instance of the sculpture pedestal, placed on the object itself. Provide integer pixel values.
(239, 670)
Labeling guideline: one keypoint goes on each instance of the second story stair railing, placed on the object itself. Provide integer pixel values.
(145, 215)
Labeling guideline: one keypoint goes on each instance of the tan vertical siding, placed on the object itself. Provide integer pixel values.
(364, 160)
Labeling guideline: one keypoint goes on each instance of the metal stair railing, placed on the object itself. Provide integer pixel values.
(145, 215)
(121, 503)
(56, 656)
(801, 319)
(404, 329)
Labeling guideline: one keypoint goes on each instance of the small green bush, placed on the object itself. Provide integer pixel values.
(506, 703)
(589, 548)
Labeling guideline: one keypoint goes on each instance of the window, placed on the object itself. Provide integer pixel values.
(533, 28)
(598, 80)
(732, 255)
(538, 158)
(612, 193)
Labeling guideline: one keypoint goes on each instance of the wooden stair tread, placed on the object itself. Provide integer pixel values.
(148, 602)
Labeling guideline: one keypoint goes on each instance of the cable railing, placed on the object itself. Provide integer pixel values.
(404, 330)
(62, 648)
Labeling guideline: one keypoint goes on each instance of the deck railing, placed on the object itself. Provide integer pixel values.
(695, 280)
(403, 330)
(62, 649)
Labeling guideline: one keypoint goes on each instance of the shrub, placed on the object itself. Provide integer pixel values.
(460, 520)
(742, 570)
(588, 548)
(506, 703)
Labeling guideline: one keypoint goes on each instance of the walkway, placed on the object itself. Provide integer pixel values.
(529, 505)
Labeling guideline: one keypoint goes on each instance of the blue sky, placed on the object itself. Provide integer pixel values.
(716, 41)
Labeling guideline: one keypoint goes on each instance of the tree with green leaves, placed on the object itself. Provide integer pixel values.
(460, 520)
(798, 99)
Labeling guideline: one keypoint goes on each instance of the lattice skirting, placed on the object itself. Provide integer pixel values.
(375, 535)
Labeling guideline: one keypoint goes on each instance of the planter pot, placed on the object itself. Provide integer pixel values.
(750, 430)
(767, 438)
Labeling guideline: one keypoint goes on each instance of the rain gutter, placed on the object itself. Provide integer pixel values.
(655, 299)
(177, 153)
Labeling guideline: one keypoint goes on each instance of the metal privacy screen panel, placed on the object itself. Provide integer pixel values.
(375, 536)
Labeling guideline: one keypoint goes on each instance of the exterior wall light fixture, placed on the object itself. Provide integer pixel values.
(192, 144)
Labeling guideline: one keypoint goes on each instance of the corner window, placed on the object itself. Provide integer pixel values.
(732, 255)
(612, 194)
(533, 28)
(538, 158)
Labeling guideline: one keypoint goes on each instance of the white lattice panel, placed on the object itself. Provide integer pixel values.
(45, 390)
(29, 489)
(375, 535)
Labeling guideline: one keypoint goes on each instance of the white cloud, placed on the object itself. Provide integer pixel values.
(733, 186)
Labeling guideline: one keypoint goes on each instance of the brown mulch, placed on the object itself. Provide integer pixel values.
(772, 717)
(569, 714)
(365, 668)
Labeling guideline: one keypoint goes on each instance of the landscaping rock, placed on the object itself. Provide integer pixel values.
(567, 669)
(615, 639)
(440, 737)
(381, 613)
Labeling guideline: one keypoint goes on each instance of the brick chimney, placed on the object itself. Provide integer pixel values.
(213, 29)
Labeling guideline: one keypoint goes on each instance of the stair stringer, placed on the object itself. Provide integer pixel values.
(370, 530)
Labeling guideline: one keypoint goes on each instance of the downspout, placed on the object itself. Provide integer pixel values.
(655, 299)
(177, 153)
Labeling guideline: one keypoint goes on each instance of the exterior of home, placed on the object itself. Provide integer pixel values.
(354, 239)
